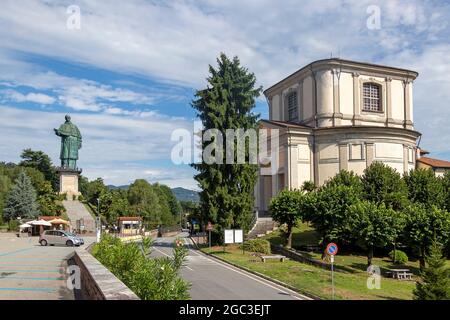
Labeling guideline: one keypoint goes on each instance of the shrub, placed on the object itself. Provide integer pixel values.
(150, 279)
(400, 257)
(13, 225)
(257, 245)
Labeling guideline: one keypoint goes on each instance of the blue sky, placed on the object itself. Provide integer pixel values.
(128, 74)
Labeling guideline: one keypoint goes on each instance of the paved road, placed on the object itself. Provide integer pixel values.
(31, 272)
(215, 280)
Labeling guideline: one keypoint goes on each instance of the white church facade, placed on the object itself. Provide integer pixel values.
(337, 114)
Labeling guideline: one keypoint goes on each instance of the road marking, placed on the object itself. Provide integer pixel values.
(256, 279)
(162, 252)
(29, 289)
(14, 252)
(30, 278)
(32, 271)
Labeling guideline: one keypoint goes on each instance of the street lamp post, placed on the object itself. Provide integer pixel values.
(98, 222)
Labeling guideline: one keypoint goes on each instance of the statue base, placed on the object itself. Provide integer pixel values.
(68, 182)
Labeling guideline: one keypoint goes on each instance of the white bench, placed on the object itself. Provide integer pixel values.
(274, 257)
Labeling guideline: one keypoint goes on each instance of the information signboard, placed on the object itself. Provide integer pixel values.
(238, 236)
(229, 236)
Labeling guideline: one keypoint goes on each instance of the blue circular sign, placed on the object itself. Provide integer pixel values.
(332, 249)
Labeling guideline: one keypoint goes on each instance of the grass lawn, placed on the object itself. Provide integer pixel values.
(348, 285)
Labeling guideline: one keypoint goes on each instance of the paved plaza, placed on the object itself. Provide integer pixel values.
(29, 271)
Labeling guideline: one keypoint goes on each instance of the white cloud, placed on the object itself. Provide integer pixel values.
(118, 148)
(29, 97)
(173, 42)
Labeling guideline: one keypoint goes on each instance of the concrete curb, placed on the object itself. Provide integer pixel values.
(278, 282)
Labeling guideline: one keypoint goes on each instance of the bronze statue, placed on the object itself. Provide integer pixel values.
(70, 144)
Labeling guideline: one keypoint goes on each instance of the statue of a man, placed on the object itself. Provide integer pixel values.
(70, 144)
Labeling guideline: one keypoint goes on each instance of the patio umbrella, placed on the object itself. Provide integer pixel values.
(25, 225)
(59, 221)
(40, 223)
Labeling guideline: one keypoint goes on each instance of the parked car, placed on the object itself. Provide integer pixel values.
(52, 237)
(76, 236)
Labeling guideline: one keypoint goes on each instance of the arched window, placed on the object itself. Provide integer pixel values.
(371, 97)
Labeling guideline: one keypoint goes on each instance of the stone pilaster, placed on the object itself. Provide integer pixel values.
(356, 100)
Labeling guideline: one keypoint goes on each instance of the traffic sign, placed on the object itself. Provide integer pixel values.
(332, 249)
(209, 227)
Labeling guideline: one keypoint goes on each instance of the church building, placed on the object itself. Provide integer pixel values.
(337, 114)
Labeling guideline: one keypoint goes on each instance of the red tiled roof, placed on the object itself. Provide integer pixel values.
(436, 163)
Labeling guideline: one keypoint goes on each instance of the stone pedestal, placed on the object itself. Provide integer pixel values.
(68, 183)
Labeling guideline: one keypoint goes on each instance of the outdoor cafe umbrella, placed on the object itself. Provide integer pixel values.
(59, 221)
(40, 223)
(25, 225)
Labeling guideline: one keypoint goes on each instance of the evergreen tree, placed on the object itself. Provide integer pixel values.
(21, 201)
(40, 161)
(226, 198)
(435, 282)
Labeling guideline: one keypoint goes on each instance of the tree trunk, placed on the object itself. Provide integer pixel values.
(369, 256)
(393, 258)
(422, 258)
(289, 236)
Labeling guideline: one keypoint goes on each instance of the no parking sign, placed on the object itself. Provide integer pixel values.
(332, 249)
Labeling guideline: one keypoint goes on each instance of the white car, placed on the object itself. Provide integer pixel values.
(52, 237)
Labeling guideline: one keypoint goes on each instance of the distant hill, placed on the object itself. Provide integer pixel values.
(111, 187)
(183, 194)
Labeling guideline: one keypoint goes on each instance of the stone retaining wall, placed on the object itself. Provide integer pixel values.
(97, 282)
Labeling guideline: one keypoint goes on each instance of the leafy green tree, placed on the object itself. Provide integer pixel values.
(83, 186)
(424, 187)
(287, 208)
(168, 204)
(95, 189)
(42, 162)
(21, 201)
(425, 224)
(114, 204)
(169, 198)
(48, 201)
(435, 278)
(5, 186)
(144, 202)
(308, 186)
(374, 226)
(227, 196)
(383, 184)
(445, 180)
(329, 214)
(347, 178)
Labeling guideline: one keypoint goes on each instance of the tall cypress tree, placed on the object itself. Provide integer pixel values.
(227, 198)
(435, 282)
(21, 201)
